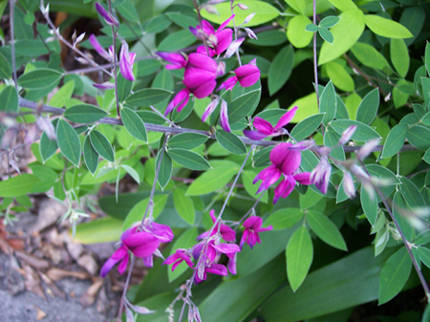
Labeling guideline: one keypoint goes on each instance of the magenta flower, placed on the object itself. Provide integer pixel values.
(265, 129)
(286, 162)
(247, 75)
(252, 228)
(226, 232)
(223, 117)
(178, 257)
(126, 61)
(320, 176)
(212, 268)
(177, 60)
(107, 16)
(218, 41)
(140, 243)
(99, 48)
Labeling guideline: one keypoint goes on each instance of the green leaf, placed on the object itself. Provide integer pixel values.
(399, 56)
(419, 137)
(362, 133)
(177, 41)
(308, 107)
(269, 38)
(127, 10)
(91, 157)
(298, 5)
(146, 67)
(39, 78)
(230, 142)
(403, 222)
(307, 127)
(331, 139)
(102, 145)
(189, 159)
(31, 47)
(345, 33)
(185, 241)
(184, 206)
(328, 103)
(103, 230)
(368, 107)
(124, 86)
(394, 275)
(214, 179)
(187, 140)
(326, 35)
(17, 186)
(133, 124)
(427, 57)
(297, 31)
(182, 20)
(395, 140)
(340, 77)
(311, 27)
(280, 69)
(62, 95)
(147, 97)
(284, 218)
(5, 69)
(158, 24)
(412, 195)
(166, 169)
(386, 28)
(133, 173)
(370, 57)
(84, 113)
(243, 105)
(68, 142)
(369, 204)
(47, 147)
(264, 13)
(299, 255)
(9, 99)
(330, 21)
(324, 228)
(343, 5)
(247, 178)
(136, 213)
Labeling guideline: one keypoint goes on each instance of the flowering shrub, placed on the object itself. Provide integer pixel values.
(206, 112)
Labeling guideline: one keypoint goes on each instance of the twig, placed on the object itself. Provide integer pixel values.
(124, 292)
(115, 75)
(12, 40)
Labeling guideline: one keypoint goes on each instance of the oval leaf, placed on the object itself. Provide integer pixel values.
(102, 145)
(68, 141)
(280, 69)
(47, 147)
(362, 133)
(326, 230)
(133, 124)
(189, 159)
(395, 140)
(297, 33)
(84, 113)
(184, 206)
(230, 142)
(187, 140)
(368, 107)
(39, 78)
(17, 186)
(91, 157)
(386, 28)
(147, 97)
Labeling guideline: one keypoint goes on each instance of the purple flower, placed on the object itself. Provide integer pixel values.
(177, 60)
(179, 101)
(286, 162)
(247, 75)
(140, 243)
(210, 108)
(107, 16)
(265, 129)
(126, 61)
(200, 74)
(99, 48)
(223, 118)
(320, 176)
(226, 232)
(252, 228)
(178, 257)
(212, 268)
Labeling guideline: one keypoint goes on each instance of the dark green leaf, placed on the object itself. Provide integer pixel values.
(182, 20)
(395, 140)
(84, 113)
(133, 124)
(188, 159)
(31, 47)
(5, 69)
(262, 157)
(419, 137)
(284, 218)
(328, 103)
(91, 157)
(47, 147)
(17, 186)
(243, 106)
(39, 78)
(331, 139)
(187, 140)
(326, 34)
(176, 41)
(158, 24)
(362, 133)
(166, 169)
(124, 87)
(413, 18)
(307, 127)
(427, 57)
(423, 238)
(230, 142)
(326, 230)
(147, 67)
(102, 145)
(424, 254)
(368, 107)
(399, 56)
(147, 97)
(280, 69)
(269, 38)
(248, 177)
(369, 204)
(9, 100)
(394, 275)
(411, 194)
(68, 142)
(311, 27)
(299, 255)
(401, 219)
(329, 21)
(127, 10)
(151, 117)
(184, 206)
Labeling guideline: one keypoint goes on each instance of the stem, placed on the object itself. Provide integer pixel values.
(250, 210)
(235, 32)
(314, 20)
(124, 292)
(405, 241)
(163, 116)
(115, 76)
(12, 40)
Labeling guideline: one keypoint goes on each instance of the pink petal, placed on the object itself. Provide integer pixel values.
(279, 153)
(227, 233)
(244, 238)
(263, 126)
(123, 265)
(125, 64)
(223, 120)
(217, 269)
(202, 62)
(291, 162)
(303, 178)
(232, 264)
(98, 48)
(253, 222)
(162, 232)
(226, 248)
(286, 118)
(199, 82)
(210, 108)
(254, 135)
(247, 75)
(224, 40)
(228, 84)
(225, 23)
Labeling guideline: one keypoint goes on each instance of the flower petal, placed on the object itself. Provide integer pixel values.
(223, 120)
(263, 126)
(254, 135)
(286, 118)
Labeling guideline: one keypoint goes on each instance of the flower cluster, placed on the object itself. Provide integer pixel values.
(208, 250)
(201, 69)
(142, 241)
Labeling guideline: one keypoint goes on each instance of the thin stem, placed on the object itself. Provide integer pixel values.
(163, 116)
(249, 211)
(405, 241)
(235, 32)
(124, 292)
(115, 76)
(314, 20)
(12, 40)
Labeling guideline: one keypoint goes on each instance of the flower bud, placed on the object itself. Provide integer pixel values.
(347, 134)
